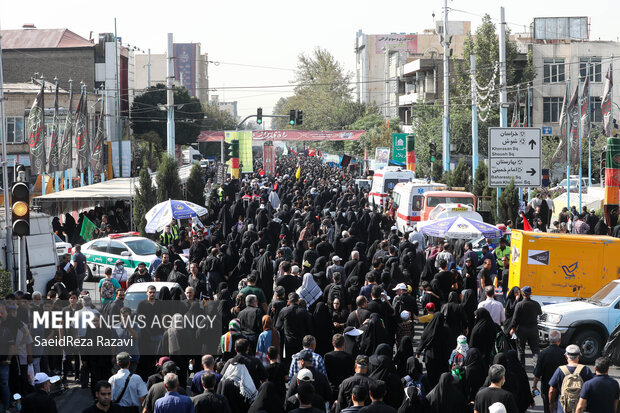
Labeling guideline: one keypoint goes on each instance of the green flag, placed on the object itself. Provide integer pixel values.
(87, 229)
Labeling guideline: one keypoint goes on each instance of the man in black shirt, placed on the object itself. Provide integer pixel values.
(484, 276)
(251, 320)
(295, 322)
(163, 269)
(548, 361)
(487, 396)
(208, 401)
(276, 305)
(288, 280)
(378, 390)
(103, 400)
(40, 401)
(357, 317)
(525, 323)
(338, 363)
(359, 379)
(140, 275)
(444, 279)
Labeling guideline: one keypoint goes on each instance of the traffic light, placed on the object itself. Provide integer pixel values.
(228, 151)
(291, 117)
(300, 117)
(432, 150)
(259, 116)
(20, 199)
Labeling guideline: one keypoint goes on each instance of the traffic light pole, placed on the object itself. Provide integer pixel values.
(21, 255)
(5, 179)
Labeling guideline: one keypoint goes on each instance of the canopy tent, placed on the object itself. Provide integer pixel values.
(89, 196)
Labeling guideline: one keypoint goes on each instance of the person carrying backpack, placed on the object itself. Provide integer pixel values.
(567, 381)
(108, 286)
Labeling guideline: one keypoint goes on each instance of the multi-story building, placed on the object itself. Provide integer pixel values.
(105, 67)
(230, 107)
(190, 70)
(395, 70)
(563, 55)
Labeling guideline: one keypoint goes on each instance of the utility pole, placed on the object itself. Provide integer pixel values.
(170, 96)
(474, 118)
(503, 98)
(118, 106)
(386, 75)
(148, 71)
(5, 177)
(446, 92)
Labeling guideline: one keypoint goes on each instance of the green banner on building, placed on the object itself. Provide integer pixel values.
(399, 147)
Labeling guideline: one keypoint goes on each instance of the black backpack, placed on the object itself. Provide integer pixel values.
(337, 291)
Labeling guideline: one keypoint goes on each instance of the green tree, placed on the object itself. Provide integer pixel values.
(144, 199)
(378, 133)
(217, 119)
(508, 203)
(167, 178)
(481, 183)
(461, 176)
(146, 114)
(323, 92)
(195, 186)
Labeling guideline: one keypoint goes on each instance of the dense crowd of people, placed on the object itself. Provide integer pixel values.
(319, 298)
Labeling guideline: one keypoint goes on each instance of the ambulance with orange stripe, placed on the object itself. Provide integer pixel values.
(410, 200)
(384, 181)
(417, 202)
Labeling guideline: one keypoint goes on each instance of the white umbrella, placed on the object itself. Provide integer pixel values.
(459, 228)
(163, 213)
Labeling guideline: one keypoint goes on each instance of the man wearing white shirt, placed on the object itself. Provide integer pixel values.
(495, 308)
(417, 236)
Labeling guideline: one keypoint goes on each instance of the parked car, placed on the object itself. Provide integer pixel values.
(62, 247)
(587, 322)
(128, 247)
(137, 292)
(574, 185)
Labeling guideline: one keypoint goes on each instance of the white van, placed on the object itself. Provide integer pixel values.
(410, 200)
(40, 249)
(384, 181)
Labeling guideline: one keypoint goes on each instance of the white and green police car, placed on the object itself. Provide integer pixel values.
(128, 247)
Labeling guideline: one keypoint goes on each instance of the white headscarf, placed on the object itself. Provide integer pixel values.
(309, 290)
(240, 376)
(461, 345)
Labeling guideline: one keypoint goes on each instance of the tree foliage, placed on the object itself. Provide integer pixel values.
(378, 133)
(217, 119)
(167, 178)
(508, 203)
(144, 199)
(195, 186)
(146, 115)
(324, 94)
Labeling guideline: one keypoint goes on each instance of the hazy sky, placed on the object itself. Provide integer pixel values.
(273, 33)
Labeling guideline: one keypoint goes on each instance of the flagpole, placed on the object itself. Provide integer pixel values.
(82, 90)
(55, 148)
(90, 169)
(103, 106)
(579, 135)
(569, 131)
(43, 171)
(589, 136)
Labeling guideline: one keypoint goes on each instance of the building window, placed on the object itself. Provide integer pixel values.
(14, 129)
(553, 71)
(551, 109)
(595, 109)
(595, 68)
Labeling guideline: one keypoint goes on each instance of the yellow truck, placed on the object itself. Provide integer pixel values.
(560, 267)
